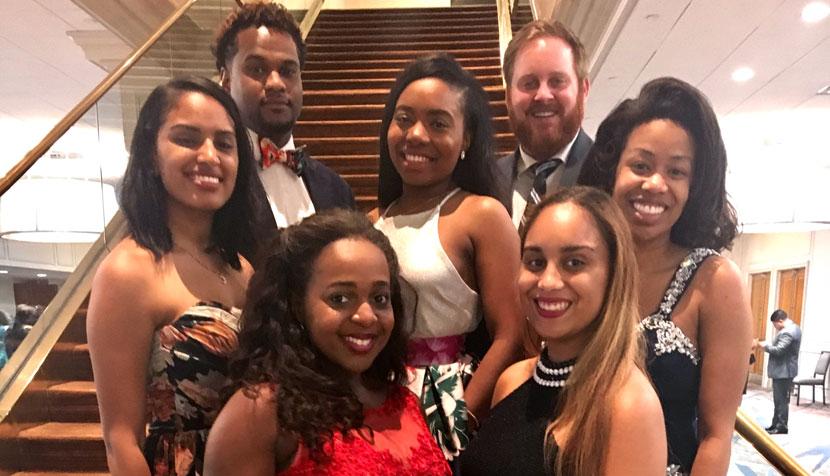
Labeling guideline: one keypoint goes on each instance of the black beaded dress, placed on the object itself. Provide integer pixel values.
(673, 363)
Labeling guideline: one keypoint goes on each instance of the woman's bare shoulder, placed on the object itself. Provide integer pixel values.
(512, 378)
(636, 400)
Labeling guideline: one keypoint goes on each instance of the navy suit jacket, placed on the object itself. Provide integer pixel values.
(783, 352)
(507, 167)
(326, 189)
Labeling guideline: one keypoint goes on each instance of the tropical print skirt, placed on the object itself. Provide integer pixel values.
(440, 389)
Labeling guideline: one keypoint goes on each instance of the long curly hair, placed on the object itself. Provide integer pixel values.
(314, 399)
(708, 219)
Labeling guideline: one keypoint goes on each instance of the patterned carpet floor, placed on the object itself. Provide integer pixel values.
(808, 439)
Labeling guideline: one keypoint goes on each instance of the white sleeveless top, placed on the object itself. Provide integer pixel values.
(437, 301)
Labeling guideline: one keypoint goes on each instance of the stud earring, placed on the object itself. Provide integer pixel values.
(463, 154)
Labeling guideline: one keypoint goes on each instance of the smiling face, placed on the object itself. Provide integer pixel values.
(653, 178)
(196, 153)
(348, 307)
(426, 135)
(263, 77)
(545, 98)
(564, 274)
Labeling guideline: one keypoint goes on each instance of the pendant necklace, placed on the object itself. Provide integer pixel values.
(221, 275)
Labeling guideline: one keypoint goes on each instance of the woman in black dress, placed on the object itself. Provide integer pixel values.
(662, 158)
(584, 406)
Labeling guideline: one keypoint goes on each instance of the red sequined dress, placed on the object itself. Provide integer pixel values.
(399, 443)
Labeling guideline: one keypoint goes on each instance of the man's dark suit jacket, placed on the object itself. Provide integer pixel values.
(507, 167)
(326, 189)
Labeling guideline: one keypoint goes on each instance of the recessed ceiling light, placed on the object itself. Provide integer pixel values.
(815, 12)
(824, 91)
(4, 271)
(742, 74)
(41, 275)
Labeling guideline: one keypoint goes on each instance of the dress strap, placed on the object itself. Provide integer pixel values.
(682, 277)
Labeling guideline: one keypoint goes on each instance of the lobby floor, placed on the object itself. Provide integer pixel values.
(808, 439)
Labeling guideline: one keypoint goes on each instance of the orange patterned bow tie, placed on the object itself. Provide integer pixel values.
(271, 154)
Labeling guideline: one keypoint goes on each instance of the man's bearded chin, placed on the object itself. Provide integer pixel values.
(542, 146)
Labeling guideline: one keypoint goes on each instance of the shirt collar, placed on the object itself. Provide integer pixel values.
(527, 161)
(255, 142)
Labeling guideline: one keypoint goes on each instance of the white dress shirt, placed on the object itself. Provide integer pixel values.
(287, 195)
(524, 179)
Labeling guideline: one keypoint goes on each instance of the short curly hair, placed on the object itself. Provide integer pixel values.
(255, 15)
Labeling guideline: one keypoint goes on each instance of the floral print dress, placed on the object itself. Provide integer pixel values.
(187, 386)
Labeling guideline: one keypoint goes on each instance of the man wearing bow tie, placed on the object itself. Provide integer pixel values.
(547, 84)
(260, 54)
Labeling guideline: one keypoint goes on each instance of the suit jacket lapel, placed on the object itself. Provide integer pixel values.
(575, 158)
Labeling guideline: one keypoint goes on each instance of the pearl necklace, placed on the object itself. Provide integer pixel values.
(552, 374)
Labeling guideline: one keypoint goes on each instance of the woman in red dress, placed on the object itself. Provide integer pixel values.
(322, 363)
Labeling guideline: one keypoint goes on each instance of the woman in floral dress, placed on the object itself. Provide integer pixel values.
(163, 315)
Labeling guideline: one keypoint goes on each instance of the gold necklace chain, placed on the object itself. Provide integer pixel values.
(220, 274)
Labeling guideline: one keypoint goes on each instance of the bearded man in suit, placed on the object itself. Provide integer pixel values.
(547, 85)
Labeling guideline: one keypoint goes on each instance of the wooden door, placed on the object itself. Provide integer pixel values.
(791, 292)
(759, 297)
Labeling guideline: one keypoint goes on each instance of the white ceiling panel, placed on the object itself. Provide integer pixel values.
(779, 43)
(793, 86)
(649, 24)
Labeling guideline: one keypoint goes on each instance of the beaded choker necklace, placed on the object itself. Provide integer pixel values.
(552, 374)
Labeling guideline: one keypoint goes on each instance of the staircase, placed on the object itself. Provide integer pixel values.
(353, 59)
(55, 424)
(520, 16)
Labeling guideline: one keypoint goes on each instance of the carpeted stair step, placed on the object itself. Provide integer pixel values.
(55, 447)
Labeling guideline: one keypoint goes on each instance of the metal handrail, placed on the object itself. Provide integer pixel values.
(310, 17)
(766, 446)
(20, 168)
(505, 29)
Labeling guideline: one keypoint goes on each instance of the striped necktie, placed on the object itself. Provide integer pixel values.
(541, 172)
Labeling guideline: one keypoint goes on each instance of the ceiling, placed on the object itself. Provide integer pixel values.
(704, 41)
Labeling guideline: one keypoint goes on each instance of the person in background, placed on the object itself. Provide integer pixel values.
(321, 366)
(260, 54)
(25, 316)
(782, 368)
(546, 73)
(584, 406)
(164, 308)
(5, 325)
(662, 158)
(458, 251)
